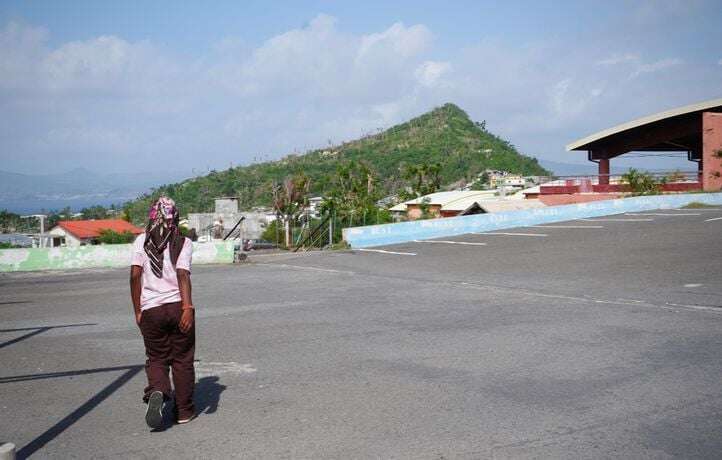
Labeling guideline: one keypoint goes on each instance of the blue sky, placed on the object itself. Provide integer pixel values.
(117, 86)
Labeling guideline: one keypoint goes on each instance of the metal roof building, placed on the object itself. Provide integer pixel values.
(695, 129)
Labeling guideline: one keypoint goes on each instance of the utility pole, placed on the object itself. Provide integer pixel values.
(42, 218)
(330, 229)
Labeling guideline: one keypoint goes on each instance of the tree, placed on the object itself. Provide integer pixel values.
(108, 236)
(353, 194)
(94, 212)
(289, 199)
(423, 179)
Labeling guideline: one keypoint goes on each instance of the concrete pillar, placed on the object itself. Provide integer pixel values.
(712, 151)
(604, 172)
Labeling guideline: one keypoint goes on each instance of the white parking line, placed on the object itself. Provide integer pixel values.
(303, 267)
(662, 214)
(567, 226)
(449, 242)
(716, 218)
(617, 220)
(510, 234)
(383, 251)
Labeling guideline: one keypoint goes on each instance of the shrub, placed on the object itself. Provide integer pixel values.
(640, 183)
(108, 236)
(698, 205)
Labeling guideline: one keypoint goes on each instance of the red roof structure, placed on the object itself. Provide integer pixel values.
(91, 228)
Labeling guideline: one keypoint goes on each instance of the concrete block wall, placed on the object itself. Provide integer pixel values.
(108, 255)
(379, 235)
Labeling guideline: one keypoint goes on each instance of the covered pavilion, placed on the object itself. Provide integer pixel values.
(695, 129)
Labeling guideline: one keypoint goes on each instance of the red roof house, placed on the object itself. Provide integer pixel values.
(77, 232)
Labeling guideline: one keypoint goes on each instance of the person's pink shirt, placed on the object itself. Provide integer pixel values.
(157, 291)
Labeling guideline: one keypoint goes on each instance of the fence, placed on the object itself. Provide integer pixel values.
(668, 181)
(107, 255)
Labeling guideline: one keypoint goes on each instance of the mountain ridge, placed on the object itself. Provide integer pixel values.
(444, 135)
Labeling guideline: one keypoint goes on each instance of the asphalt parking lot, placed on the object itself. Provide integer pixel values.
(595, 338)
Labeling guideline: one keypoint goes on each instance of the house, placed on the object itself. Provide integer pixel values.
(442, 204)
(462, 203)
(218, 224)
(81, 232)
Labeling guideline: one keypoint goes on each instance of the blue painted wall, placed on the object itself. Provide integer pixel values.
(379, 235)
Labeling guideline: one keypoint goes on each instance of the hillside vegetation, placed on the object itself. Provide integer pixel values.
(444, 135)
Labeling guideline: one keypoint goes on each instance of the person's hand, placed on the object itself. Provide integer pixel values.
(186, 321)
(137, 317)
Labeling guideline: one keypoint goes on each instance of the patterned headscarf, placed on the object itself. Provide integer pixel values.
(161, 231)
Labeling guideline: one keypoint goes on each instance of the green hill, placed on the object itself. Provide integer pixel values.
(445, 135)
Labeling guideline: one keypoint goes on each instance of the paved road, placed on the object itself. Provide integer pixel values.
(600, 339)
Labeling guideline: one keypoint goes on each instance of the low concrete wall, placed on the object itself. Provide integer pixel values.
(379, 235)
(108, 255)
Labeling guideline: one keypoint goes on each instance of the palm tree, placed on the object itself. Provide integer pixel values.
(289, 199)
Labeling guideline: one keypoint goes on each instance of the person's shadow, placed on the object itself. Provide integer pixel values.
(208, 394)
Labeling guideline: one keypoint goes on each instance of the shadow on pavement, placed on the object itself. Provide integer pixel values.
(35, 331)
(208, 394)
(37, 443)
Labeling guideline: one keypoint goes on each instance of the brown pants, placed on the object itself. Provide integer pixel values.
(166, 345)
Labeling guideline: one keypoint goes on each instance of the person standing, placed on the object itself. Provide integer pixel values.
(160, 289)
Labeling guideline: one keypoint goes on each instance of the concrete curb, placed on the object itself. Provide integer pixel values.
(380, 235)
(7, 451)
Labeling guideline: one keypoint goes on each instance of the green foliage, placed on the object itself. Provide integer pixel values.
(9, 222)
(423, 179)
(698, 205)
(273, 232)
(108, 236)
(93, 212)
(640, 183)
(6, 245)
(424, 206)
(444, 136)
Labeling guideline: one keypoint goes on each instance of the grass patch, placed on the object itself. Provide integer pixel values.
(698, 205)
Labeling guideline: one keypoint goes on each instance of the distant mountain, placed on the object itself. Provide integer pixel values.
(78, 188)
(569, 169)
(444, 135)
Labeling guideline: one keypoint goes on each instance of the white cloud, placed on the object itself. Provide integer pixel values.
(656, 66)
(430, 72)
(111, 103)
(618, 59)
(404, 41)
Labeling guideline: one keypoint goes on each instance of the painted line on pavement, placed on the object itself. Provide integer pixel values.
(617, 220)
(567, 226)
(661, 214)
(383, 251)
(450, 242)
(510, 234)
(716, 218)
(345, 272)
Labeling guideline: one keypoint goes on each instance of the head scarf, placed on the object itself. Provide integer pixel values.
(161, 232)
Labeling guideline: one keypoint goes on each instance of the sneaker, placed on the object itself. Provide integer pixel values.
(185, 420)
(154, 413)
